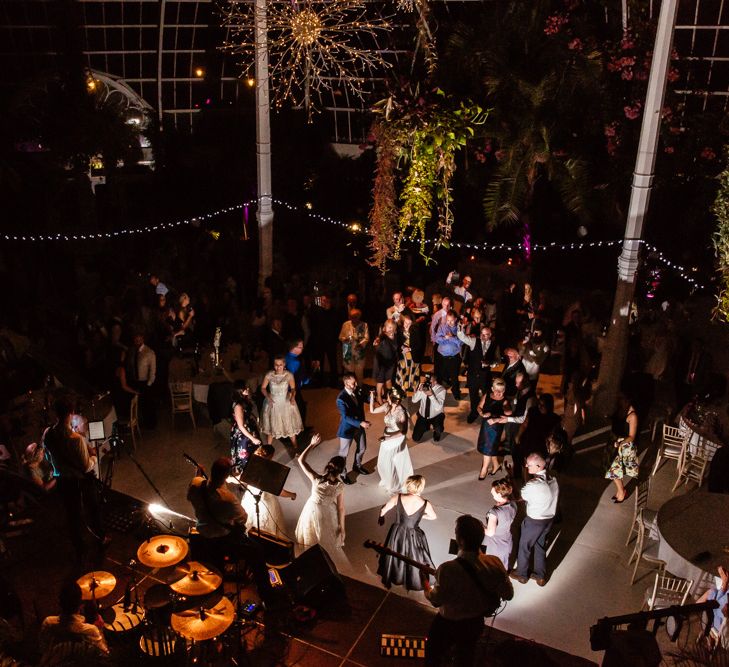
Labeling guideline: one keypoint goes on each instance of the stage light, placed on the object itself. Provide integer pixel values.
(251, 82)
(156, 509)
(199, 72)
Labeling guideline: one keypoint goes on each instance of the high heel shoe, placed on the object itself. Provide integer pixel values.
(617, 502)
(481, 479)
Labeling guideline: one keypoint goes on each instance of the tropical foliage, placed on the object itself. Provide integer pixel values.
(418, 135)
(721, 242)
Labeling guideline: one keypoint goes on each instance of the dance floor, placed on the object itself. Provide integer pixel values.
(590, 577)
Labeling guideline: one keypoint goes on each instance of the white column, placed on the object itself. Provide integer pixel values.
(615, 350)
(263, 146)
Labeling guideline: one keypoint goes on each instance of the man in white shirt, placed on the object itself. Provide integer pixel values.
(145, 367)
(398, 305)
(159, 286)
(540, 494)
(431, 397)
(68, 637)
(460, 292)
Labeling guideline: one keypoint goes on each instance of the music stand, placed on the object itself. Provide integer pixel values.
(265, 475)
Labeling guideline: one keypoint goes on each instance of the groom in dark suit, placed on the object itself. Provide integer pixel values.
(352, 425)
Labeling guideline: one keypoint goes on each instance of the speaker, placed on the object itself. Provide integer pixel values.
(278, 551)
(313, 578)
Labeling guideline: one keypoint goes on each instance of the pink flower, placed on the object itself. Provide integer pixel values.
(613, 65)
(674, 129)
(673, 74)
(631, 113)
(627, 43)
(500, 154)
(708, 153)
(575, 44)
(627, 74)
(609, 130)
(554, 24)
(666, 112)
(612, 147)
(669, 149)
(627, 61)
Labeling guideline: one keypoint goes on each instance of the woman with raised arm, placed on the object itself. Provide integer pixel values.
(322, 519)
(393, 460)
(406, 537)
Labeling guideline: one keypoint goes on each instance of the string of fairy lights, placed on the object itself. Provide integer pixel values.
(352, 227)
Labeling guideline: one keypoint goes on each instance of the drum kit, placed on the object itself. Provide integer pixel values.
(188, 606)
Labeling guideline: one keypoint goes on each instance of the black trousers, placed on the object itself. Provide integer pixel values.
(422, 425)
(147, 405)
(80, 499)
(449, 367)
(444, 635)
(533, 538)
(478, 385)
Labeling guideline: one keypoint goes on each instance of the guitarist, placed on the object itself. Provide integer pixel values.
(222, 521)
(467, 588)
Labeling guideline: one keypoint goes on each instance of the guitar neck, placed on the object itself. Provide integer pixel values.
(381, 548)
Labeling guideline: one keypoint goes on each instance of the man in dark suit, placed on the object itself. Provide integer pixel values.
(513, 366)
(352, 424)
(479, 357)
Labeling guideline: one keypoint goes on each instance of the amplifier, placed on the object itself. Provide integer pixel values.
(402, 646)
(278, 551)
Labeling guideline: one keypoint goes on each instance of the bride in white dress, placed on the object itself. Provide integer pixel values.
(322, 519)
(280, 417)
(393, 462)
(271, 518)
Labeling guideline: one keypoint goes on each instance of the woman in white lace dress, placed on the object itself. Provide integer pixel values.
(322, 519)
(281, 417)
(393, 461)
(270, 516)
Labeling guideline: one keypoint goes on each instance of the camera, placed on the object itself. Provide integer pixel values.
(455, 276)
(426, 384)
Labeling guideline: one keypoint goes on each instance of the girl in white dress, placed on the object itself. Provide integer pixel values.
(393, 461)
(280, 418)
(322, 519)
(271, 517)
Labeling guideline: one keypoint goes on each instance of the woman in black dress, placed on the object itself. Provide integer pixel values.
(244, 437)
(406, 537)
(121, 392)
(386, 354)
(492, 408)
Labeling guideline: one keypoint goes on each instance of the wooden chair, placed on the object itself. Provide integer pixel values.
(641, 511)
(667, 591)
(646, 549)
(694, 466)
(673, 446)
(181, 399)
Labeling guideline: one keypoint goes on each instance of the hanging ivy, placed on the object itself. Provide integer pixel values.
(417, 138)
(721, 241)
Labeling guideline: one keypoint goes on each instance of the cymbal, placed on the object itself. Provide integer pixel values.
(194, 578)
(162, 551)
(96, 585)
(201, 623)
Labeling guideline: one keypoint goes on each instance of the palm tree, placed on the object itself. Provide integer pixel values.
(535, 86)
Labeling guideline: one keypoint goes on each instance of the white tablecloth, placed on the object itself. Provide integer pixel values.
(692, 525)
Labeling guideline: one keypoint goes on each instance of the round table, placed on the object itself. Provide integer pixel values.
(694, 525)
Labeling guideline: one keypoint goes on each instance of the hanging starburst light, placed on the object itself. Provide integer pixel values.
(313, 46)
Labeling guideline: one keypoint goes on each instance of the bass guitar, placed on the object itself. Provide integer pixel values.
(381, 548)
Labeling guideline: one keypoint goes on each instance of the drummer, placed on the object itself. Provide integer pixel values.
(221, 521)
(60, 634)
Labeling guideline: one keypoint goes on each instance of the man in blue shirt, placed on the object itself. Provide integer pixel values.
(449, 349)
(719, 591)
